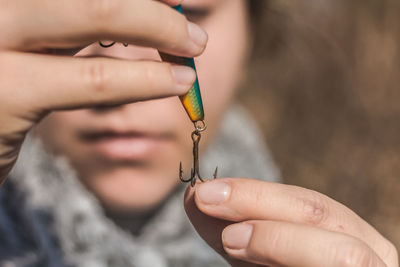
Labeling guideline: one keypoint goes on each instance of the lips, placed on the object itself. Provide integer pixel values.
(117, 145)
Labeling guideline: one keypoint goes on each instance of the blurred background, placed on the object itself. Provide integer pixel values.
(324, 85)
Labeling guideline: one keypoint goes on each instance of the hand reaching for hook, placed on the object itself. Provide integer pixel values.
(255, 223)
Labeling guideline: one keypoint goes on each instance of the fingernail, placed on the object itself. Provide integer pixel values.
(184, 76)
(197, 34)
(214, 192)
(237, 236)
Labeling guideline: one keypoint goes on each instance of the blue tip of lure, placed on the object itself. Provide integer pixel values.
(178, 8)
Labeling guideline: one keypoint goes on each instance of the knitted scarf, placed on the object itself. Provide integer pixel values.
(48, 218)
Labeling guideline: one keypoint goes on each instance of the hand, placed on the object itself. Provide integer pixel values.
(35, 79)
(251, 223)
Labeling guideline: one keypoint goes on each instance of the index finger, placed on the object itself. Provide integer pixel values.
(45, 83)
(71, 23)
(243, 199)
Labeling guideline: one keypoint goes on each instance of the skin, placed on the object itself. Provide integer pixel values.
(27, 94)
(252, 223)
(279, 225)
(133, 180)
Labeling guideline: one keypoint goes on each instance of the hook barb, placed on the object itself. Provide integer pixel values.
(215, 173)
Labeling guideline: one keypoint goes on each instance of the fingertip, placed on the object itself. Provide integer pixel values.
(198, 36)
(184, 77)
(172, 2)
(212, 192)
(237, 236)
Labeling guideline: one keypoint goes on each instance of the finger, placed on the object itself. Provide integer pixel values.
(38, 83)
(72, 23)
(249, 199)
(209, 228)
(61, 52)
(172, 2)
(286, 244)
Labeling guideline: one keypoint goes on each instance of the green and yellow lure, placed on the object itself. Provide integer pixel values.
(191, 101)
(193, 105)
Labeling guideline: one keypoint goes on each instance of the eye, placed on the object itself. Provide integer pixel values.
(196, 14)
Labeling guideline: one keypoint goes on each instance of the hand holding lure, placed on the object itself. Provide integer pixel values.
(193, 104)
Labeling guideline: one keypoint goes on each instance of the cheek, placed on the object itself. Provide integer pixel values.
(221, 66)
(57, 130)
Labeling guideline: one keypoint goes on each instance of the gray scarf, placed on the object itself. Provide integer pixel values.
(50, 219)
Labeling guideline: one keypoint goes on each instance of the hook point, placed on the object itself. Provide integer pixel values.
(215, 172)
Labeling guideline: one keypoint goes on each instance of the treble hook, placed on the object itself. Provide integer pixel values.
(195, 171)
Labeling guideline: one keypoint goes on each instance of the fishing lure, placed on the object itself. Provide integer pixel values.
(193, 104)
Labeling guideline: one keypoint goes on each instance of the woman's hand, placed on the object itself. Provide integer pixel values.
(38, 73)
(251, 222)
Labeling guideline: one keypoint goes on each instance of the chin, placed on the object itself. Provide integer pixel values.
(128, 190)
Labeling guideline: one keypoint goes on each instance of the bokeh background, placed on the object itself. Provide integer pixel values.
(324, 84)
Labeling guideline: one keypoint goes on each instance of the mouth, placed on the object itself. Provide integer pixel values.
(132, 146)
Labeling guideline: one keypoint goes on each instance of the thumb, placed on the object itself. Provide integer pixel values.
(209, 228)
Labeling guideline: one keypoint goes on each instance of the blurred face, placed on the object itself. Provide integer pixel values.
(128, 156)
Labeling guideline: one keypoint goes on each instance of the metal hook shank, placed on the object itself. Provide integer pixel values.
(195, 171)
